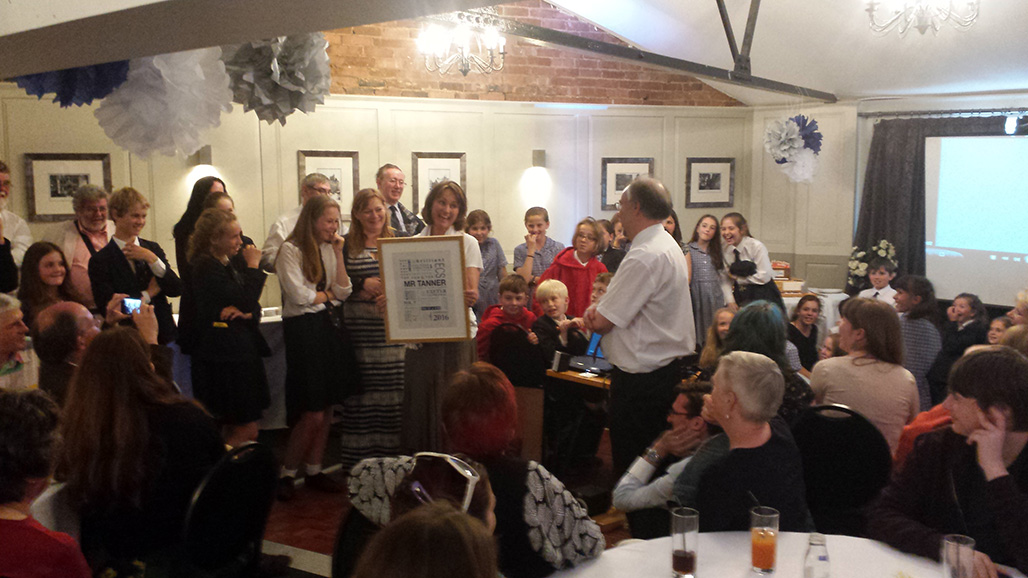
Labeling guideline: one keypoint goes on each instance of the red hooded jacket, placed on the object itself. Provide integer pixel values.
(579, 279)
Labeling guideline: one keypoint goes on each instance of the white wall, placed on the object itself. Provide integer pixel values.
(259, 161)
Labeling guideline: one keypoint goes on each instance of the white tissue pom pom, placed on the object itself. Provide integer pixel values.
(782, 140)
(167, 102)
(278, 76)
(802, 167)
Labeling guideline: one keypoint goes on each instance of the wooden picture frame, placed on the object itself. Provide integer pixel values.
(427, 169)
(342, 169)
(52, 178)
(616, 173)
(423, 280)
(709, 182)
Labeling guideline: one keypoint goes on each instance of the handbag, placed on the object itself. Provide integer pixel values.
(337, 317)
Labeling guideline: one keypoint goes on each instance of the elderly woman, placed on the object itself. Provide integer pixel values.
(28, 447)
(540, 526)
(870, 379)
(762, 463)
(759, 327)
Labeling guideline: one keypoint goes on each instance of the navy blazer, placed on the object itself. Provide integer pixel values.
(110, 273)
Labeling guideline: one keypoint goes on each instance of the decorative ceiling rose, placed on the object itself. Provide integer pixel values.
(474, 44)
(921, 15)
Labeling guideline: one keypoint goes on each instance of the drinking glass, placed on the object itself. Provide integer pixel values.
(763, 538)
(957, 556)
(685, 538)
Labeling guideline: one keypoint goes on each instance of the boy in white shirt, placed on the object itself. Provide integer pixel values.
(881, 271)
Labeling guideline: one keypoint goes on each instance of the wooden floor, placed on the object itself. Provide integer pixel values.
(311, 519)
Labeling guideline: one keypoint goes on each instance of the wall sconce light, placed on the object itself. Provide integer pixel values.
(539, 158)
(203, 156)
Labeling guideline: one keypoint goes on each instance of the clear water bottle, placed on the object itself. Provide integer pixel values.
(816, 563)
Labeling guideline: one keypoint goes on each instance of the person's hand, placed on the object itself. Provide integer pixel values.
(619, 240)
(134, 252)
(984, 567)
(533, 338)
(589, 318)
(380, 304)
(232, 312)
(470, 296)
(951, 313)
(114, 314)
(565, 325)
(146, 322)
(733, 307)
(988, 439)
(708, 413)
(683, 443)
(373, 286)
(338, 241)
(154, 288)
(252, 255)
(534, 242)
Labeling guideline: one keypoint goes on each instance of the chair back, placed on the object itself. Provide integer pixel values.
(225, 524)
(354, 533)
(846, 463)
(519, 360)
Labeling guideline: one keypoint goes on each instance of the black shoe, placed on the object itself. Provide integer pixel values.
(286, 488)
(322, 483)
(272, 565)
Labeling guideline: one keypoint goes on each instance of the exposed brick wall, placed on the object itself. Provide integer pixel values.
(383, 60)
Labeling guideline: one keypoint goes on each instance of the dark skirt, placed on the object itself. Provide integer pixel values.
(234, 392)
(317, 373)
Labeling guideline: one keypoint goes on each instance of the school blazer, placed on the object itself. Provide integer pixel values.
(110, 273)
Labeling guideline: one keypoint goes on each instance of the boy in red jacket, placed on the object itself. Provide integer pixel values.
(513, 294)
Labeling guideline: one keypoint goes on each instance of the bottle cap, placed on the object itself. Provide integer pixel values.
(816, 538)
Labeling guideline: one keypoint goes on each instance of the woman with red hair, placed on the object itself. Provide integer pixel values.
(540, 526)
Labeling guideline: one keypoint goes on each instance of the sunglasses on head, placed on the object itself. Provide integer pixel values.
(462, 468)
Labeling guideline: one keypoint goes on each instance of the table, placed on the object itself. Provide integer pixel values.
(829, 310)
(727, 555)
(580, 378)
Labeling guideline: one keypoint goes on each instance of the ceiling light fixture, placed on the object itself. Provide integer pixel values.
(921, 15)
(445, 48)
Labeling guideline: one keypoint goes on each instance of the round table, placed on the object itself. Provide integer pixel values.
(727, 555)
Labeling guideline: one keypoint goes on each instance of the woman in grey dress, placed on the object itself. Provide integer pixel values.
(705, 263)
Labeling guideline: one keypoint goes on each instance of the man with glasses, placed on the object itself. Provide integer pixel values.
(390, 182)
(15, 236)
(311, 186)
(81, 237)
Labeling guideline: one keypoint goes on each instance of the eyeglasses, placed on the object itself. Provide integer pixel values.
(617, 206)
(673, 411)
(462, 467)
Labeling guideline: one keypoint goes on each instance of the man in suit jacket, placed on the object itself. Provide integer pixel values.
(81, 238)
(133, 266)
(390, 182)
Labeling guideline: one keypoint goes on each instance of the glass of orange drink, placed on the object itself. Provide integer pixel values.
(763, 538)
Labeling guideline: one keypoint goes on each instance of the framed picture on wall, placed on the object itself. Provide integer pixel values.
(616, 174)
(52, 178)
(709, 182)
(342, 169)
(432, 168)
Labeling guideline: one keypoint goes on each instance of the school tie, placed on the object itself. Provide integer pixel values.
(737, 255)
(396, 219)
(875, 296)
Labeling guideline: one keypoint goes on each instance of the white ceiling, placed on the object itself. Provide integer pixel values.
(827, 45)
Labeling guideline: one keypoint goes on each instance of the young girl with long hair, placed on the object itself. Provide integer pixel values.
(803, 329)
(918, 309)
(44, 279)
(705, 264)
(312, 272)
(494, 263)
(747, 275)
(577, 267)
(968, 325)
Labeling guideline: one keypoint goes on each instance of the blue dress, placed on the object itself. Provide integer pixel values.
(705, 287)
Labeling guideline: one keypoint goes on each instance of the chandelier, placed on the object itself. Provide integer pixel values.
(471, 45)
(922, 15)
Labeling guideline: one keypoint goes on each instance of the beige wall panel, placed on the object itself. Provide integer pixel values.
(699, 137)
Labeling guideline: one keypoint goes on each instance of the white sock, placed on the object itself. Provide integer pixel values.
(287, 473)
(312, 470)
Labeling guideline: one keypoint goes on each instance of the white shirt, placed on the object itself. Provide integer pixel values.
(157, 266)
(633, 493)
(16, 230)
(472, 258)
(887, 294)
(649, 304)
(298, 293)
(749, 249)
(277, 234)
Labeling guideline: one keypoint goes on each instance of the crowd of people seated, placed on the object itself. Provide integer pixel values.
(429, 436)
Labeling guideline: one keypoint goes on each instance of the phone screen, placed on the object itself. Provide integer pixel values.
(130, 306)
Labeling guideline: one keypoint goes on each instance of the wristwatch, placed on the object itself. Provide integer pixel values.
(652, 456)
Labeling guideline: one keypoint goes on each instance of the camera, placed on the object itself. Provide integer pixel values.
(130, 305)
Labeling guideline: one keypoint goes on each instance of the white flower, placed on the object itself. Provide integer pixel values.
(782, 139)
(862, 267)
(861, 254)
(881, 252)
(801, 167)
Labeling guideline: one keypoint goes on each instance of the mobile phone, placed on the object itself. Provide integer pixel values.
(130, 305)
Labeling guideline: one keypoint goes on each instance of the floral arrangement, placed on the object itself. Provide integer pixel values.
(794, 144)
(860, 260)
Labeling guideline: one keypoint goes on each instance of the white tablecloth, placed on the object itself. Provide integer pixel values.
(829, 310)
(727, 555)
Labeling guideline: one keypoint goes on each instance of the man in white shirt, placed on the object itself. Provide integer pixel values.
(390, 182)
(635, 491)
(312, 185)
(14, 232)
(646, 320)
(82, 237)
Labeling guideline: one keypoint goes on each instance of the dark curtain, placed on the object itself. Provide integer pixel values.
(893, 203)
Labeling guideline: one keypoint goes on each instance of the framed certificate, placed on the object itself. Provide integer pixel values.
(423, 278)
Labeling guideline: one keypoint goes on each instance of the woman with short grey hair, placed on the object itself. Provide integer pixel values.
(763, 465)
